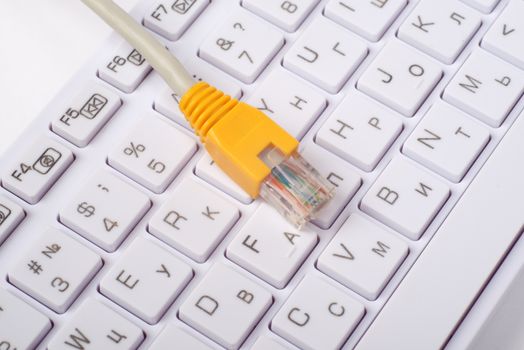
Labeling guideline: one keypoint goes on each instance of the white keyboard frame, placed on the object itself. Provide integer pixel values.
(139, 104)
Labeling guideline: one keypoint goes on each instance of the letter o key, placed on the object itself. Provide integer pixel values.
(416, 70)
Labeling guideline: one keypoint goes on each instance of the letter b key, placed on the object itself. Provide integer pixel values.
(405, 198)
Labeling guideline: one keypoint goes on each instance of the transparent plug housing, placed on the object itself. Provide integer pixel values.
(294, 188)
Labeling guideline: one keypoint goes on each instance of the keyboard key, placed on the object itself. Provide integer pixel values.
(225, 312)
(363, 256)
(242, 46)
(317, 315)
(210, 172)
(369, 19)
(265, 343)
(105, 210)
(125, 69)
(506, 35)
(175, 335)
(269, 247)
(360, 130)
(96, 326)
(194, 220)
(21, 326)
(291, 103)
(441, 29)
(55, 270)
(167, 101)
(11, 214)
(400, 77)
(83, 117)
(405, 198)
(146, 280)
(153, 153)
(325, 54)
(485, 6)
(447, 141)
(339, 174)
(486, 87)
(37, 169)
(172, 18)
(288, 15)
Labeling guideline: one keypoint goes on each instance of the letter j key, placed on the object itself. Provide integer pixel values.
(400, 77)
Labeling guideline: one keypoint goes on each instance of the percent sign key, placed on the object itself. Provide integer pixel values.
(135, 150)
(153, 154)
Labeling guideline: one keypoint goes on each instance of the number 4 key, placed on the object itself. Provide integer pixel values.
(105, 210)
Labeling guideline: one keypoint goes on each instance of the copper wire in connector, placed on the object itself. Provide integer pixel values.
(296, 190)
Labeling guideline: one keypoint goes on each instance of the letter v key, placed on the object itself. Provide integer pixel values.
(348, 254)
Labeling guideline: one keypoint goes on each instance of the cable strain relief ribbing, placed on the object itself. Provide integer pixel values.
(203, 106)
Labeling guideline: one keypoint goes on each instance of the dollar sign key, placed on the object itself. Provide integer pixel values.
(86, 209)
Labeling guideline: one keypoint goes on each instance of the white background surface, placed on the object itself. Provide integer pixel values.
(42, 44)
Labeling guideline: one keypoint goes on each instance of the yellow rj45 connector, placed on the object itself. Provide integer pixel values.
(255, 152)
(246, 144)
(235, 134)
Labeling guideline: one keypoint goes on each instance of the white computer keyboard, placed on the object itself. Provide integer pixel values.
(117, 231)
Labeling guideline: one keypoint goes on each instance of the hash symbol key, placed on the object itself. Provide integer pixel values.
(55, 269)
